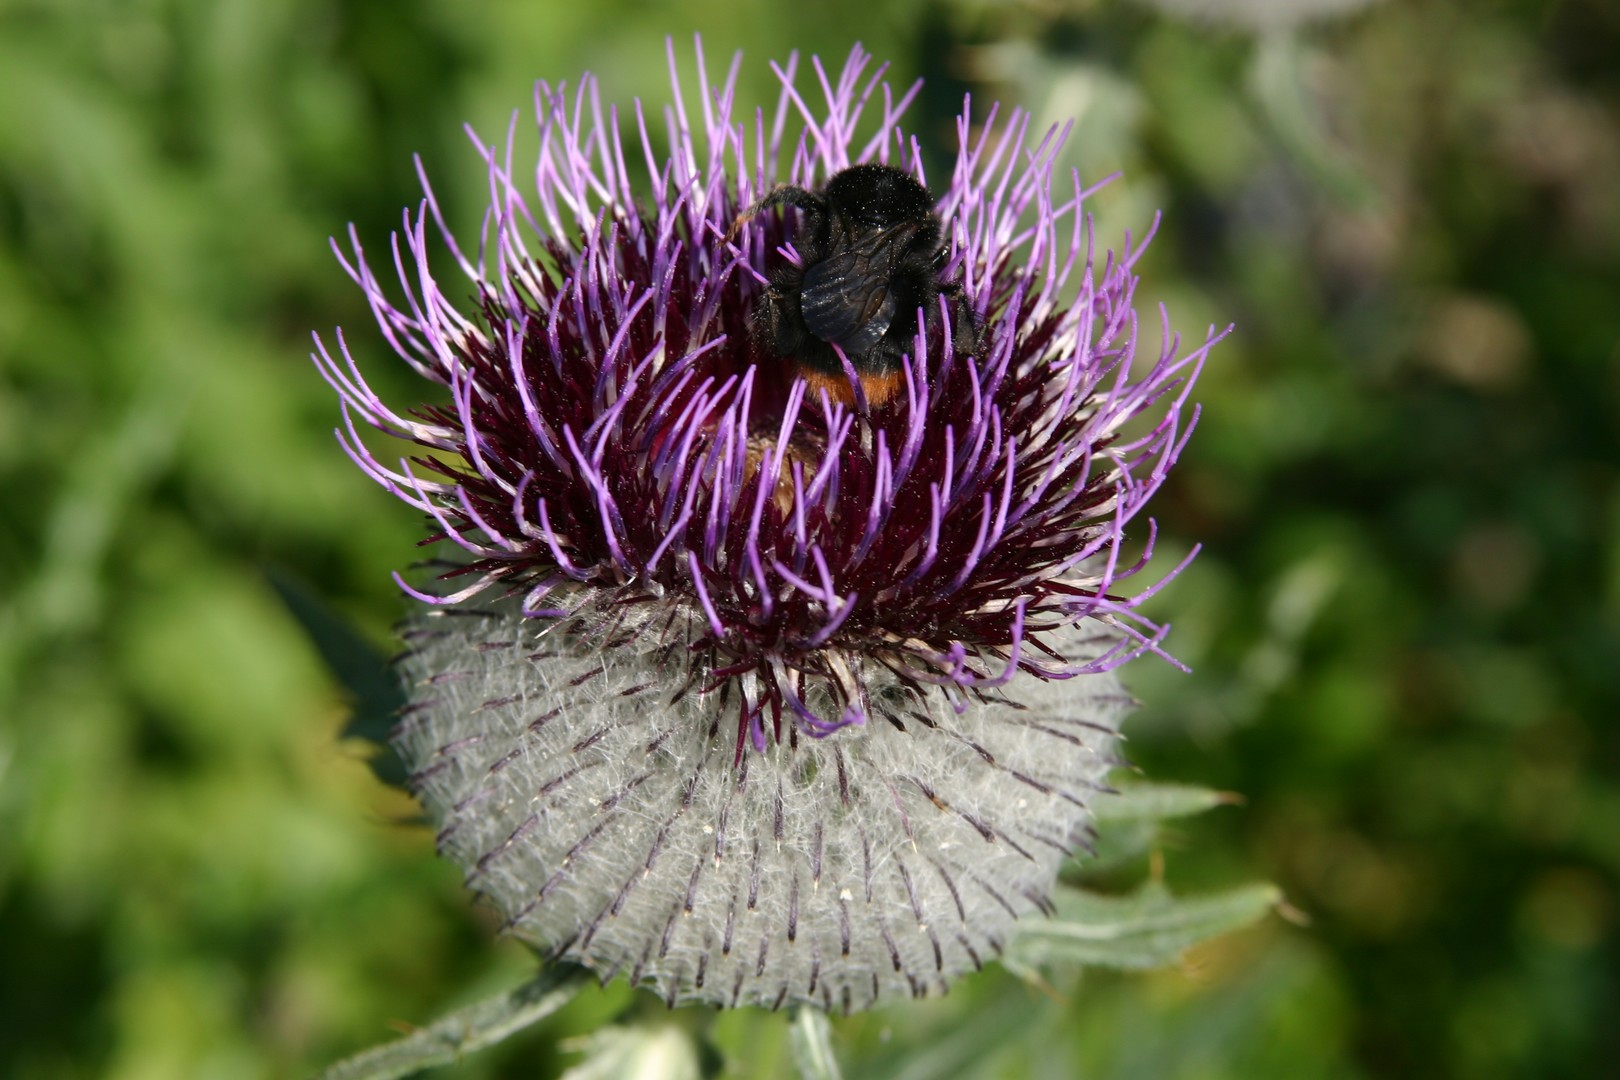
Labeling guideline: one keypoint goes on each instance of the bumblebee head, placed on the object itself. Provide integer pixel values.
(878, 196)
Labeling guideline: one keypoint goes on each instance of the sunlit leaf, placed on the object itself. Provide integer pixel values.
(645, 1052)
(358, 666)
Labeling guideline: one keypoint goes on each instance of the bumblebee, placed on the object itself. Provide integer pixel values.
(870, 253)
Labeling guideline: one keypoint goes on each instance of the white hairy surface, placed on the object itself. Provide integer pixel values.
(602, 814)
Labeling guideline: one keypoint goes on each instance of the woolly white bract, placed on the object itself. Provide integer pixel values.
(612, 828)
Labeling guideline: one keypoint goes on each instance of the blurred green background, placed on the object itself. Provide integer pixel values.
(1404, 627)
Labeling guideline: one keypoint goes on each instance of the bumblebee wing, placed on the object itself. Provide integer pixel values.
(846, 298)
(846, 301)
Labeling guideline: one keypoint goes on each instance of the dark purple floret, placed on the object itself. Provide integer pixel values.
(611, 430)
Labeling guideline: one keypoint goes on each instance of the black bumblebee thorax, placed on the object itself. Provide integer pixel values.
(870, 250)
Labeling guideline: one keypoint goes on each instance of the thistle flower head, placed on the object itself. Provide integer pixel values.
(748, 693)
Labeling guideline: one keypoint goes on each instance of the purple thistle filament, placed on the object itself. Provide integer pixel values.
(748, 695)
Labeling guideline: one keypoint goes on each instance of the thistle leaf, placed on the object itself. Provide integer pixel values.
(1127, 823)
(457, 1034)
(360, 668)
(644, 1052)
(1145, 929)
(1155, 802)
(812, 1045)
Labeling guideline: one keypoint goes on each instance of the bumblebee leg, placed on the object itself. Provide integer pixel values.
(964, 324)
(774, 323)
(781, 195)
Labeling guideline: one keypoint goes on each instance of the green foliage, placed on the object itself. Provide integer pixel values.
(1404, 625)
(1130, 824)
(812, 1045)
(1149, 803)
(613, 1051)
(1145, 929)
(362, 669)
